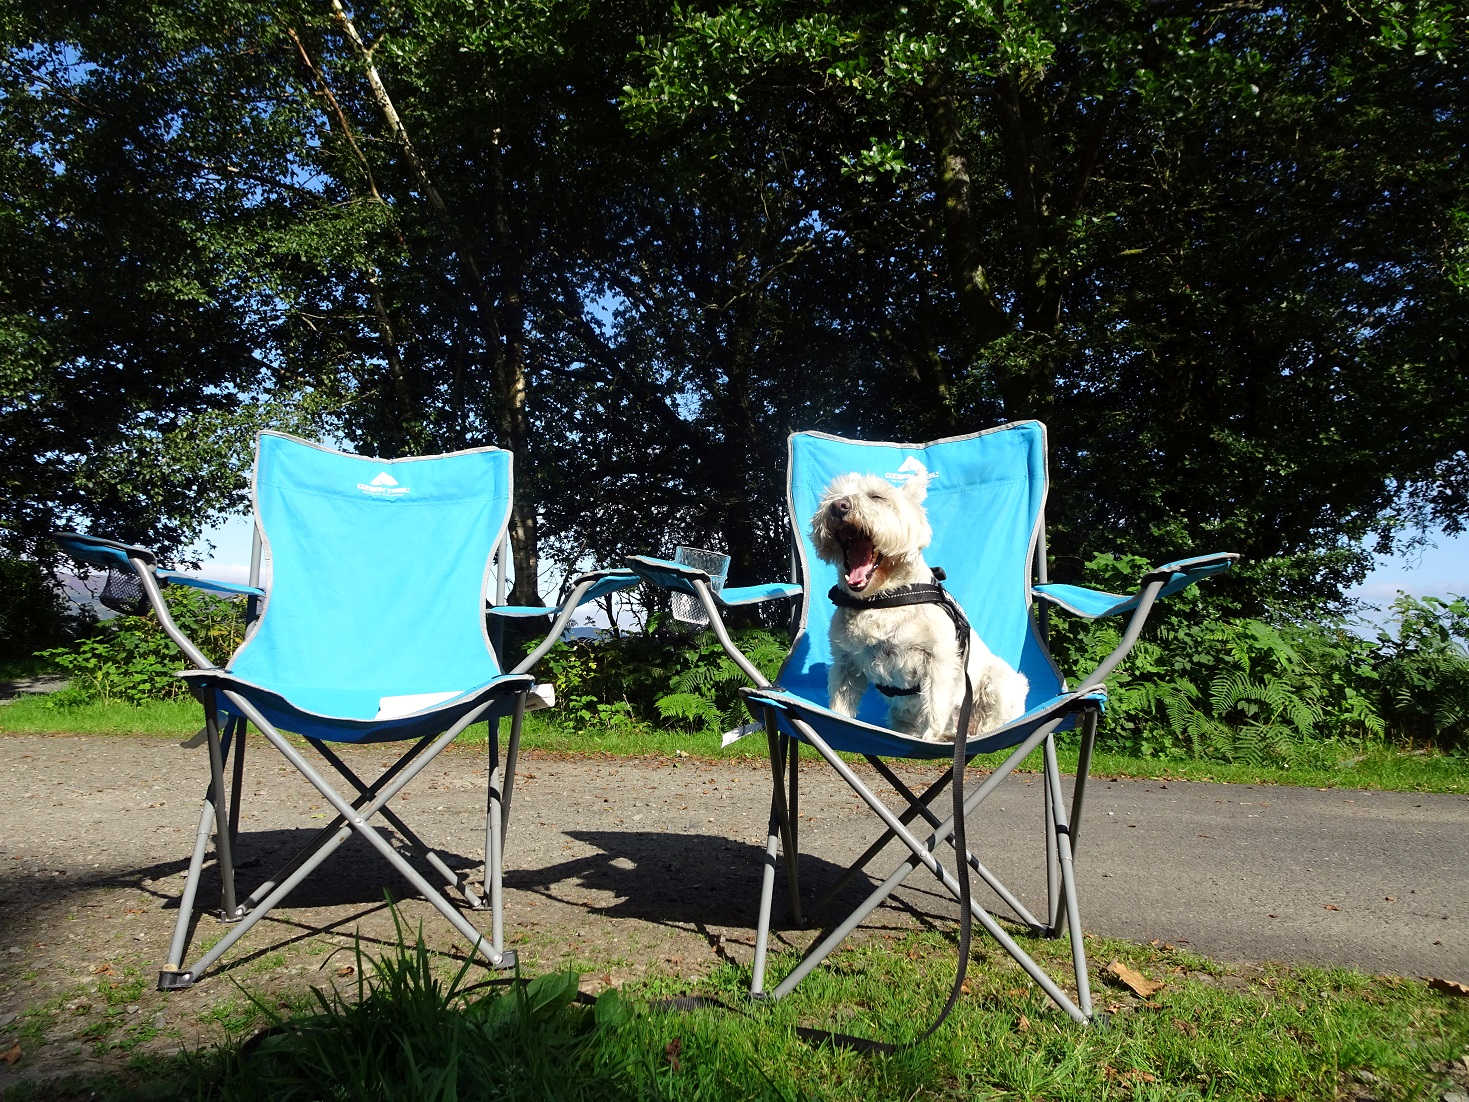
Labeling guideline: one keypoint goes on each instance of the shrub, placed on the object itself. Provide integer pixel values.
(704, 696)
(1232, 690)
(129, 659)
(1423, 671)
(656, 677)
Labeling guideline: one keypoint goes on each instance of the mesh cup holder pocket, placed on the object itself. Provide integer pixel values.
(123, 593)
(686, 608)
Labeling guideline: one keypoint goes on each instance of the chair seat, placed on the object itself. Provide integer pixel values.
(855, 736)
(353, 715)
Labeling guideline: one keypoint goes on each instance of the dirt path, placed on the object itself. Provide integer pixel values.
(621, 867)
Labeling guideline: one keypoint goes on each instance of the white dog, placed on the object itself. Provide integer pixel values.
(875, 533)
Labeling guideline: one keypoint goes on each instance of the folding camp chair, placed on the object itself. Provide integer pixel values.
(985, 504)
(373, 628)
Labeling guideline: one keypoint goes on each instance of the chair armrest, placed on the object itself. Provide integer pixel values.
(584, 588)
(111, 555)
(698, 584)
(680, 578)
(739, 596)
(1176, 576)
(210, 585)
(1159, 582)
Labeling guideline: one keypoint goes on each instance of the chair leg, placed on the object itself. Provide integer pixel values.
(365, 795)
(915, 805)
(224, 825)
(497, 815)
(780, 836)
(452, 879)
(237, 776)
(1083, 770)
(512, 754)
(353, 817)
(180, 942)
(920, 805)
(920, 853)
(1053, 866)
(223, 832)
(1068, 880)
(793, 827)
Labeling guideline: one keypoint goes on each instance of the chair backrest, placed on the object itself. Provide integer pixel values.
(378, 575)
(986, 496)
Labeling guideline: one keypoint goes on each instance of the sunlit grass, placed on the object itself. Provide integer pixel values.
(421, 1026)
(1375, 766)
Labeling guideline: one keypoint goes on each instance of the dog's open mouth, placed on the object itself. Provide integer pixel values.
(860, 560)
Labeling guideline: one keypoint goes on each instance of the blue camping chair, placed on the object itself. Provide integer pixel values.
(985, 503)
(373, 629)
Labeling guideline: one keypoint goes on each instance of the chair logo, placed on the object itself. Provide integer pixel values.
(384, 485)
(908, 470)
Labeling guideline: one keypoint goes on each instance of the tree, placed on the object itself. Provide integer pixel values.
(1213, 248)
(1221, 251)
(135, 340)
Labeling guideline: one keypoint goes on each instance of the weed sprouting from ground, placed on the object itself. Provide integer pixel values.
(408, 1031)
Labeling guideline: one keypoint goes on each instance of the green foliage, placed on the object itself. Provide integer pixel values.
(657, 678)
(1423, 667)
(1211, 1031)
(1234, 690)
(606, 678)
(410, 1033)
(639, 250)
(1173, 233)
(704, 695)
(130, 660)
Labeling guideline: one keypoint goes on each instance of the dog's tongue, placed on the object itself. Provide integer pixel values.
(861, 562)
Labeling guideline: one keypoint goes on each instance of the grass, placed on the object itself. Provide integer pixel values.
(33, 714)
(1382, 767)
(419, 1026)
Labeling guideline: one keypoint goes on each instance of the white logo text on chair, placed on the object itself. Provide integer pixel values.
(908, 470)
(383, 485)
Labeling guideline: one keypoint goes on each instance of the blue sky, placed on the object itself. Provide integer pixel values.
(1437, 571)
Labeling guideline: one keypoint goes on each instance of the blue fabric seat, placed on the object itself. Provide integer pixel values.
(986, 505)
(374, 627)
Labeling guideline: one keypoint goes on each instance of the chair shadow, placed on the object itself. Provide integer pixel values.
(355, 873)
(697, 880)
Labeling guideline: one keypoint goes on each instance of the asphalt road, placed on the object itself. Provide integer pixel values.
(660, 856)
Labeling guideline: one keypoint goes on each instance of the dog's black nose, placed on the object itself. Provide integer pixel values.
(841, 506)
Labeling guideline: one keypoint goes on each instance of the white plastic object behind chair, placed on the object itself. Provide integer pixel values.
(686, 607)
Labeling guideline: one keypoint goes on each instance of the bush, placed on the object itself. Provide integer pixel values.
(1423, 671)
(704, 695)
(655, 678)
(129, 659)
(1232, 690)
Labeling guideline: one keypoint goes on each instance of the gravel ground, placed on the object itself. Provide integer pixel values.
(623, 867)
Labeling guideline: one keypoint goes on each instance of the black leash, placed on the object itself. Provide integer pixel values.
(918, 593)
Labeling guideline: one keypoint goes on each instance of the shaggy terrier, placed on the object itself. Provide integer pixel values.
(875, 533)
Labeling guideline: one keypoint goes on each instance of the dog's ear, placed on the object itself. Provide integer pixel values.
(915, 488)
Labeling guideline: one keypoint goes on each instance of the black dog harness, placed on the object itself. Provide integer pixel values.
(919, 593)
